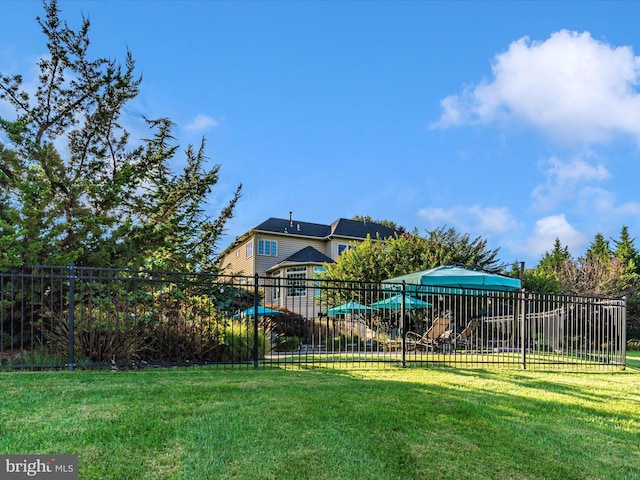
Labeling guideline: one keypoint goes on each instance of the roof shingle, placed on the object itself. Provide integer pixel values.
(342, 227)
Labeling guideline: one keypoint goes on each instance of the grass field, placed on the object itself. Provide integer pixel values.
(329, 424)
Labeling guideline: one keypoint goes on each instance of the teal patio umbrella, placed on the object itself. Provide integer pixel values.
(454, 279)
(395, 303)
(262, 312)
(349, 308)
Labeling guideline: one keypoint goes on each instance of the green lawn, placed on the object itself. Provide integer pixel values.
(329, 424)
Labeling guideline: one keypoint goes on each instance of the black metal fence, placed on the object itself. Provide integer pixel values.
(68, 318)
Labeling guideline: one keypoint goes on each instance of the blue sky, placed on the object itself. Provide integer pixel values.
(518, 122)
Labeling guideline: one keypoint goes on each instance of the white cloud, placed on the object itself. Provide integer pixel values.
(483, 220)
(602, 202)
(574, 183)
(564, 178)
(436, 215)
(571, 86)
(546, 231)
(597, 200)
(201, 122)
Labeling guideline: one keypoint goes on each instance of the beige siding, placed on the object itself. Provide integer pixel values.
(287, 246)
(237, 262)
(303, 305)
(326, 249)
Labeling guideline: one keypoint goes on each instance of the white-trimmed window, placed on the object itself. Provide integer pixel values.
(316, 271)
(275, 295)
(343, 248)
(296, 281)
(268, 248)
(250, 249)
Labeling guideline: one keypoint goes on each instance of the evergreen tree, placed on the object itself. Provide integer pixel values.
(546, 277)
(599, 249)
(551, 263)
(626, 251)
(73, 187)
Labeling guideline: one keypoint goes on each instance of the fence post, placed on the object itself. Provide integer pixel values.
(404, 324)
(623, 330)
(255, 321)
(71, 316)
(523, 318)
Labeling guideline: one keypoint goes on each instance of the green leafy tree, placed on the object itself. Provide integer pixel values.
(375, 260)
(75, 189)
(449, 246)
(535, 280)
(9, 217)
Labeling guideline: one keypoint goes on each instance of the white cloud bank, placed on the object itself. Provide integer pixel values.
(571, 87)
(201, 122)
(483, 220)
(565, 178)
(546, 231)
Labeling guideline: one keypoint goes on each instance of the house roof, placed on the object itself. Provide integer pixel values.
(342, 227)
(305, 256)
(294, 227)
(308, 255)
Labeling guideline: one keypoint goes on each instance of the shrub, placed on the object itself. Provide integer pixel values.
(288, 344)
(189, 330)
(99, 336)
(237, 337)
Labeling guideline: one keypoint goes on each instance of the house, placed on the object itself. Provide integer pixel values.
(289, 251)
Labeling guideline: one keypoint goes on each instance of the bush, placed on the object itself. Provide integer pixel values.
(288, 344)
(101, 339)
(633, 344)
(181, 334)
(237, 337)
